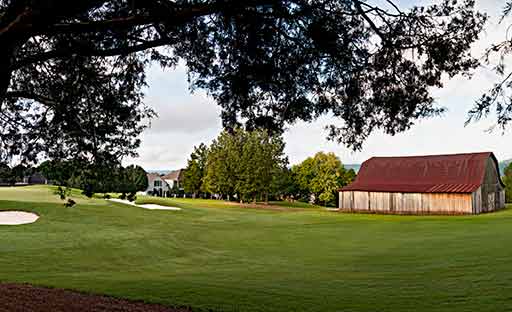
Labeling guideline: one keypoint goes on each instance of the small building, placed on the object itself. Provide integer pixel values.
(437, 184)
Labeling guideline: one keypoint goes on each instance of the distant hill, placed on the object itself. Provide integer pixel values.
(356, 167)
(503, 164)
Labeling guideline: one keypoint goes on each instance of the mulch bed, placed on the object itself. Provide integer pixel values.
(27, 298)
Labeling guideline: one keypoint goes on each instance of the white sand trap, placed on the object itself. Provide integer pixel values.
(17, 217)
(145, 206)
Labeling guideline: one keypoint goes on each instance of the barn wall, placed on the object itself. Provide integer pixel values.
(407, 203)
(491, 188)
(477, 201)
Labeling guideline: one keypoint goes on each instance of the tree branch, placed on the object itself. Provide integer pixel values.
(374, 27)
(30, 96)
(88, 51)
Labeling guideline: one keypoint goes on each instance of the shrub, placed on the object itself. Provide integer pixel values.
(70, 203)
(131, 197)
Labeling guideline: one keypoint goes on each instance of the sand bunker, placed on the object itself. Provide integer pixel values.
(17, 217)
(145, 206)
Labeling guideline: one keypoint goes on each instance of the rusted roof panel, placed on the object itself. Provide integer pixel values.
(458, 173)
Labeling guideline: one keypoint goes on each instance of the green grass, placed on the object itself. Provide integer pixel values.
(222, 257)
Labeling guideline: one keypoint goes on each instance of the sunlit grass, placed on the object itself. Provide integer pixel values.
(213, 255)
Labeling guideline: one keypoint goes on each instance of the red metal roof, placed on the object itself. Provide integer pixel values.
(458, 173)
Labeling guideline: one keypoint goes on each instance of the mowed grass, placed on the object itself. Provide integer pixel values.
(213, 256)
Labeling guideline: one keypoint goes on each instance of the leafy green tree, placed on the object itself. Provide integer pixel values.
(59, 172)
(20, 171)
(194, 175)
(72, 73)
(284, 185)
(244, 163)
(94, 178)
(507, 179)
(261, 159)
(223, 164)
(321, 177)
(136, 177)
(6, 174)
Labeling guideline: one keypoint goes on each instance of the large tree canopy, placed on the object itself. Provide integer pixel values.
(71, 72)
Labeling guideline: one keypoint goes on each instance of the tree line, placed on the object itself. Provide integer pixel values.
(17, 174)
(251, 166)
(91, 178)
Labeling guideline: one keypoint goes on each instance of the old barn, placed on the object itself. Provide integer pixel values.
(437, 184)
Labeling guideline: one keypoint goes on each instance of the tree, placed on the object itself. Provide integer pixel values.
(322, 176)
(94, 178)
(6, 174)
(499, 97)
(196, 170)
(261, 159)
(507, 179)
(20, 171)
(284, 185)
(59, 172)
(244, 163)
(222, 164)
(72, 72)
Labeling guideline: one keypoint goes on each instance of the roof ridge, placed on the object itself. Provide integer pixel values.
(432, 155)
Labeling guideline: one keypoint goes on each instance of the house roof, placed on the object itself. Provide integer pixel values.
(174, 175)
(457, 173)
(153, 175)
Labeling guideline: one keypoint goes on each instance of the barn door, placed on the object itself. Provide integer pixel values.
(491, 202)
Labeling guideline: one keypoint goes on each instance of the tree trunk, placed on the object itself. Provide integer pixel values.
(266, 198)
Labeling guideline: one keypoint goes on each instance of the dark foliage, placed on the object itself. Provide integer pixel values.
(70, 203)
(6, 174)
(499, 97)
(94, 178)
(71, 72)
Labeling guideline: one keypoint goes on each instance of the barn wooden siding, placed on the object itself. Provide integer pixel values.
(492, 192)
(436, 184)
(406, 203)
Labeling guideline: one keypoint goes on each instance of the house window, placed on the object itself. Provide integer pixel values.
(158, 183)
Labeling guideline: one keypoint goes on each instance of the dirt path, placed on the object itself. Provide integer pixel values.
(26, 298)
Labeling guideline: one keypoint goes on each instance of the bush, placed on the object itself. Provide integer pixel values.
(70, 203)
(122, 196)
(131, 197)
(63, 192)
(106, 196)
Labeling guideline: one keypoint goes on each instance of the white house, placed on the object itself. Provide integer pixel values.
(165, 185)
(174, 179)
(157, 185)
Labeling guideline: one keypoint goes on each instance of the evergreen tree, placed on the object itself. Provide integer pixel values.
(194, 175)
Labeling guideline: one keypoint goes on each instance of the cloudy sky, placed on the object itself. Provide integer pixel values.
(187, 119)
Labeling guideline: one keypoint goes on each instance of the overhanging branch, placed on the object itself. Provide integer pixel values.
(88, 51)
